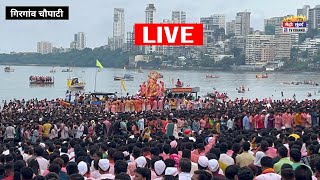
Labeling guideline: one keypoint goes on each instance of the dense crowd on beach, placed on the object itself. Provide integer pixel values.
(159, 138)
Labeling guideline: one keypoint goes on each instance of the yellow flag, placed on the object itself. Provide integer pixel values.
(98, 64)
(123, 85)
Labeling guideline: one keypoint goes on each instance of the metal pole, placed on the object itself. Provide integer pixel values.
(120, 90)
(95, 80)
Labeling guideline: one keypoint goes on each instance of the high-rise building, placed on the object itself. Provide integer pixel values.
(44, 47)
(259, 49)
(314, 18)
(209, 27)
(270, 25)
(220, 20)
(118, 23)
(230, 27)
(150, 18)
(79, 41)
(242, 27)
(150, 13)
(283, 44)
(118, 38)
(304, 11)
(179, 17)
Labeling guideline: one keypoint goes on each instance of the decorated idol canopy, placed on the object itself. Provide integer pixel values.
(153, 87)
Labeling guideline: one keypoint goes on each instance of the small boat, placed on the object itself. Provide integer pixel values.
(262, 76)
(241, 91)
(212, 76)
(75, 83)
(8, 69)
(41, 80)
(66, 70)
(126, 77)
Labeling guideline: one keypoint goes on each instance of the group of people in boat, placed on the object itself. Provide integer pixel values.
(41, 79)
(306, 83)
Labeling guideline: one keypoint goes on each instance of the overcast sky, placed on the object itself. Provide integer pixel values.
(94, 17)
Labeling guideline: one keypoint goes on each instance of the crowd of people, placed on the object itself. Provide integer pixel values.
(41, 79)
(230, 139)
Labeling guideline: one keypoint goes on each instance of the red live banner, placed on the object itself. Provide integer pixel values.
(168, 34)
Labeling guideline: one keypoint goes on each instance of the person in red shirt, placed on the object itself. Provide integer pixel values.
(164, 123)
(179, 83)
(260, 123)
(9, 171)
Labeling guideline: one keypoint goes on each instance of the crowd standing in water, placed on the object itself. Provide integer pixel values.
(166, 138)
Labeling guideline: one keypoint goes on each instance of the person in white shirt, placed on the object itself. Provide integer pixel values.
(224, 157)
(267, 170)
(43, 163)
(10, 132)
(80, 130)
(185, 168)
(104, 167)
(141, 124)
(266, 120)
(230, 124)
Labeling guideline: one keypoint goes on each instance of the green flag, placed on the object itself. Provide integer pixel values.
(98, 64)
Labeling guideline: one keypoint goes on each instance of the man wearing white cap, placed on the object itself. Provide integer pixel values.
(203, 163)
(141, 162)
(171, 171)
(83, 168)
(213, 165)
(104, 167)
(159, 168)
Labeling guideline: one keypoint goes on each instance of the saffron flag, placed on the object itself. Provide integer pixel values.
(98, 64)
(123, 85)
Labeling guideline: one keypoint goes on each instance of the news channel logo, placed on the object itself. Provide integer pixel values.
(37, 12)
(295, 24)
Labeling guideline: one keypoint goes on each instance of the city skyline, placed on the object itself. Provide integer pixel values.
(22, 36)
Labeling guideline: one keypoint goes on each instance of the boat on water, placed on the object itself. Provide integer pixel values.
(66, 70)
(41, 83)
(41, 80)
(126, 77)
(262, 76)
(8, 69)
(212, 76)
(75, 83)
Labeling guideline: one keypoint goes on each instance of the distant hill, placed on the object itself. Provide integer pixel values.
(84, 58)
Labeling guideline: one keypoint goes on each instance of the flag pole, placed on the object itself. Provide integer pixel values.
(120, 90)
(95, 80)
